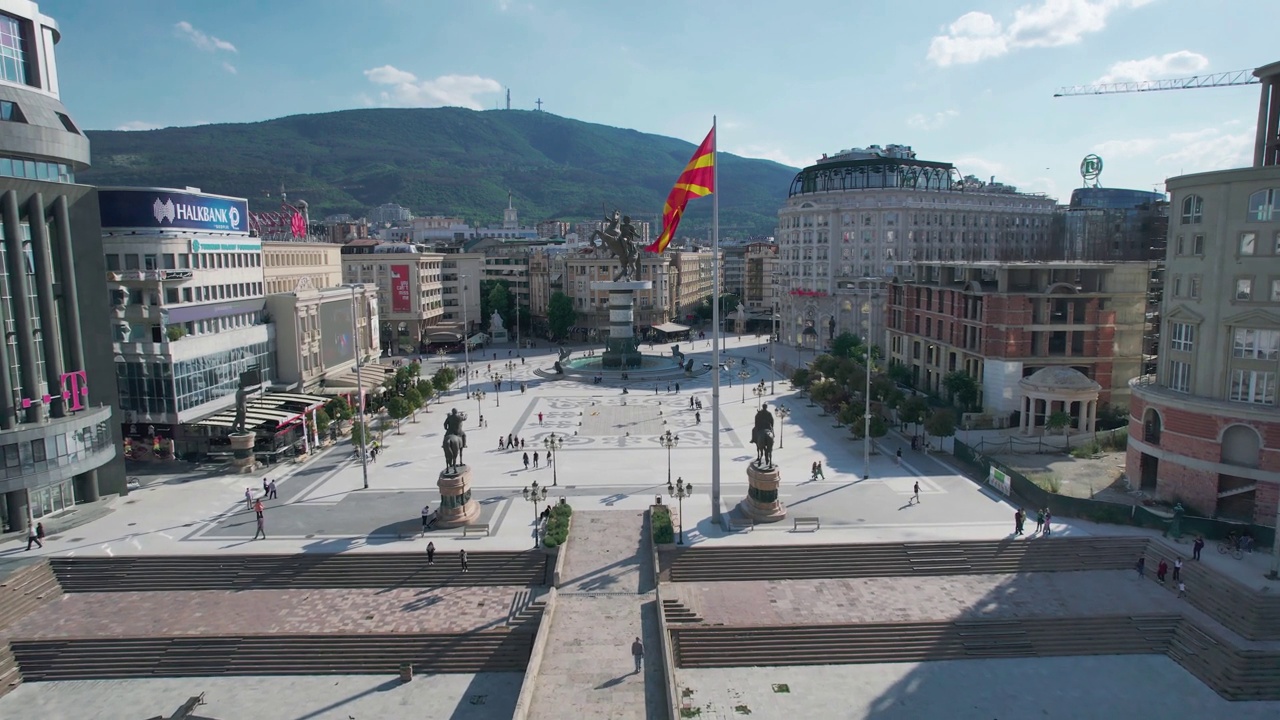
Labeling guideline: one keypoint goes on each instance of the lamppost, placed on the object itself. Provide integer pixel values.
(759, 391)
(866, 419)
(535, 494)
(440, 356)
(742, 377)
(497, 387)
(478, 395)
(466, 336)
(680, 491)
(773, 336)
(783, 412)
(553, 443)
(668, 441)
(364, 428)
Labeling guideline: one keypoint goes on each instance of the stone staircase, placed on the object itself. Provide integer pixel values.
(1234, 673)
(305, 571)
(526, 611)
(1250, 614)
(973, 557)
(675, 612)
(21, 592)
(703, 647)
(190, 656)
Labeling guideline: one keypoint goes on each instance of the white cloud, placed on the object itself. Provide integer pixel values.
(976, 36)
(229, 68)
(203, 40)
(920, 121)
(770, 152)
(406, 90)
(1174, 64)
(133, 125)
(985, 169)
(1185, 152)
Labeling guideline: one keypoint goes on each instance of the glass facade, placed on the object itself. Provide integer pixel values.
(55, 451)
(13, 51)
(161, 387)
(17, 167)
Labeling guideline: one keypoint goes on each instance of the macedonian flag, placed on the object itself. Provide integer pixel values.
(697, 180)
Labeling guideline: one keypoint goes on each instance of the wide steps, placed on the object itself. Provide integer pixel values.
(190, 656)
(675, 612)
(696, 647)
(1234, 674)
(1246, 612)
(306, 571)
(24, 590)
(797, 562)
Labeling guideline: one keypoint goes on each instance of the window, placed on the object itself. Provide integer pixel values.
(1197, 244)
(10, 112)
(1276, 249)
(149, 262)
(130, 262)
(1193, 288)
(1180, 246)
(1179, 376)
(1248, 243)
(1244, 288)
(1275, 290)
(66, 123)
(1182, 336)
(1252, 344)
(169, 261)
(1192, 209)
(1264, 205)
(13, 51)
(113, 262)
(1253, 386)
(1177, 286)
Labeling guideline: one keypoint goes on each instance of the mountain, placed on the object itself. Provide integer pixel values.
(441, 161)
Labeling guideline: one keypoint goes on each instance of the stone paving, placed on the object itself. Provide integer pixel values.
(254, 612)
(917, 599)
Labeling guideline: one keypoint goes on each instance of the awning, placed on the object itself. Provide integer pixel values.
(478, 339)
(271, 411)
(670, 328)
(345, 383)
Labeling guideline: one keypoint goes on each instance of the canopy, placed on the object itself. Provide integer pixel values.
(671, 328)
(273, 410)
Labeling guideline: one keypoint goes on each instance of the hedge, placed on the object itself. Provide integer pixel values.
(556, 530)
(663, 532)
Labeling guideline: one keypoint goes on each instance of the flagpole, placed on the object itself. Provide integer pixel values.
(715, 329)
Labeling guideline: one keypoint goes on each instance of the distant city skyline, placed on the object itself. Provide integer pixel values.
(969, 84)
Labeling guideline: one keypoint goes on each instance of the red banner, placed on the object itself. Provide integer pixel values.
(401, 292)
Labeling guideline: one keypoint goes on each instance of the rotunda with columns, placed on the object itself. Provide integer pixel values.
(1058, 388)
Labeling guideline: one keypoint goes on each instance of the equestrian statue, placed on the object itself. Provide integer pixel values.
(762, 437)
(455, 439)
(619, 235)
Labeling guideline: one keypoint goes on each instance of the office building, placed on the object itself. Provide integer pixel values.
(287, 266)
(313, 328)
(410, 291)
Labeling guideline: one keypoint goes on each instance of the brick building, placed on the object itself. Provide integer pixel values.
(1001, 322)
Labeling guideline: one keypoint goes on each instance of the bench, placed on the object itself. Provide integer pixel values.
(477, 527)
(745, 524)
(812, 522)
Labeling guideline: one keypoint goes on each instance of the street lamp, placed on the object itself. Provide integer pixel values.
(680, 491)
(535, 495)
(783, 412)
(742, 377)
(553, 443)
(466, 336)
(759, 391)
(364, 429)
(668, 441)
(866, 420)
(478, 395)
(497, 386)
(440, 356)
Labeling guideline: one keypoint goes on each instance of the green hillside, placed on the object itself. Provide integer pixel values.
(440, 161)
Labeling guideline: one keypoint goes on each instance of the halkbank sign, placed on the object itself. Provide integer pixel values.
(160, 208)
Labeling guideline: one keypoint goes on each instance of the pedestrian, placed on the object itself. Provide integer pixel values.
(697, 418)
(637, 652)
(1018, 517)
(502, 443)
(813, 472)
(511, 441)
(265, 486)
(431, 553)
(373, 454)
(1048, 522)
(1177, 569)
(677, 388)
(690, 402)
(40, 532)
(539, 418)
(898, 460)
(1142, 566)
(462, 558)
(820, 473)
(483, 422)
(535, 459)
(1196, 547)
(426, 517)
(1182, 589)
(521, 443)
(271, 490)
(526, 461)
(257, 508)
(262, 529)
(916, 490)
(248, 498)
(33, 536)
(1161, 570)
(1039, 521)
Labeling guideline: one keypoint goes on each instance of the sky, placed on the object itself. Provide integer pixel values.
(969, 82)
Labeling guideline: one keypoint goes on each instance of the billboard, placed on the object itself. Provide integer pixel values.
(401, 290)
(337, 345)
(160, 208)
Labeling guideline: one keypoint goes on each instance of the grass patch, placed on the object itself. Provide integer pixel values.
(1047, 481)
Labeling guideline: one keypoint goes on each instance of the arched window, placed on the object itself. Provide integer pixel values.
(1192, 209)
(1264, 205)
(1151, 426)
(1241, 446)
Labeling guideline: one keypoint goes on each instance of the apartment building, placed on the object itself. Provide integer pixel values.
(410, 288)
(287, 266)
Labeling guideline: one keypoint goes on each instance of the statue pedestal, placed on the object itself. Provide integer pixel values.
(242, 459)
(620, 349)
(761, 503)
(456, 506)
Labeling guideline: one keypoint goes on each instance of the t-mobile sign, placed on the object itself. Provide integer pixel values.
(401, 299)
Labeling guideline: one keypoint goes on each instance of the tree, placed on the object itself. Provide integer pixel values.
(800, 378)
(360, 434)
(414, 398)
(1057, 421)
(322, 422)
(879, 428)
(399, 409)
(499, 300)
(426, 391)
(941, 423)
(962, 388)
(899, 373)
(338, 409)
(415, 369)
(844, 344)
(441, 380)
(913, 410)
(560, 315)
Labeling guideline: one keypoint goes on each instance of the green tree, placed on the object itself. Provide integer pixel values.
(845, 344)
(941, 423)
(560, 315)
(426, 391)
(879, 428)
(962, 388)
(399, 409)
(442, 380)
(322, 422)
(414, 398)
(913, 410)
(415, 369)
(359, 433)
(1057, 421)
(899, 373)
(499, 299)
(800, 378)
(339, 409)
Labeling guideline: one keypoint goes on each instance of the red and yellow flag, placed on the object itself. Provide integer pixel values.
(697, 180)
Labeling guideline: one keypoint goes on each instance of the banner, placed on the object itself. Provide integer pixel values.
(401, 289)
(162, 208)
(998, 480)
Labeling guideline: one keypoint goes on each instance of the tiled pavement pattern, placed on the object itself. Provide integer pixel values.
(914, 599)
(253, 612)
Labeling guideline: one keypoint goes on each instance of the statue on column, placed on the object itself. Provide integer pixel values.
(762, 437)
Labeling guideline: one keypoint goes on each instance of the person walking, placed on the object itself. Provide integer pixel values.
(426, 517)
(521, 443)
(697, 418)
(526, 461)
(539, 418)
(915, 489)
(1142, 567)
(1182, 589)
(271, 490)
(1177, 569)
(1161, 570)
(818, 467)
(535, 459)
(1039, 521)
(1018, 518)
(248, 498)
(462, 559)
(637, 652)
(690, 402)
(1196, 547)
(898, 459)
(1048, 522)
(33, 536)
(373, 454)
(431, 553)
(262, 528)
(266, 486)
(258, 508)
(813, 472)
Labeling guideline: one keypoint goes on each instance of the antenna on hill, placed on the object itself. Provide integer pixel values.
(508, 98)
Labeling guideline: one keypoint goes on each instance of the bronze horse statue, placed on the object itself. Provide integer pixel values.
(453, 446)
(762, 437)
(619, 235)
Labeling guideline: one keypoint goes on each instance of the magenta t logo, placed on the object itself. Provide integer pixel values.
(75, 389)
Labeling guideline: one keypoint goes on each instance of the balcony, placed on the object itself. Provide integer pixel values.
(148, 275)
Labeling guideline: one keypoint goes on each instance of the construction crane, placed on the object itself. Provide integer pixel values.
(1225, 79)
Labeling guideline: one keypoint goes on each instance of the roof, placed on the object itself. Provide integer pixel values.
(1059, 377)
(670, 327)
(269, 412)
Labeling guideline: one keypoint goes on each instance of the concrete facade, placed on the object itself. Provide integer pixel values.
(408, 310)
(300, 363)
(288, 266)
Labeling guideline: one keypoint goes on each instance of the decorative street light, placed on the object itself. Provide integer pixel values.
(783, 412)
(680, 491)
(478, 395)
(466, 336)
(553, 443)
(759, 391)
(535, 494)
(742, 376)
(440, 356)
(497, 387)
(668, 441)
